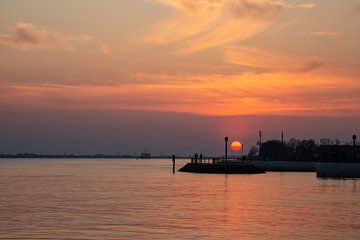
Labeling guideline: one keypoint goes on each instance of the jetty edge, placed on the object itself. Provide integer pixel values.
(338, 170)
(222, 168)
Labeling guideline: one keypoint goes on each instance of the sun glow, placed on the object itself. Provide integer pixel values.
(236, 146)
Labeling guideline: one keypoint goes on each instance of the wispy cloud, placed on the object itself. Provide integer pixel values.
(26, 36)
(308, 5)
(202, 24)
(256, 9)
(197, 25)
(271, 62)
(268, 93)
(327, 34)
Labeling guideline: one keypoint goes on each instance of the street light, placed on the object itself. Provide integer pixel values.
(226, 145)
(354, 147)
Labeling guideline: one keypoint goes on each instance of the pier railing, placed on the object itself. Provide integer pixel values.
(212, 160)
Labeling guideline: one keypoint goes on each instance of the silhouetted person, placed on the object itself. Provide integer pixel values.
(201, 157)
(196, 157)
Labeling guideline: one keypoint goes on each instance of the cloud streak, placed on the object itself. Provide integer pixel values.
(26, 36)
(310, 93)
(272, 62)
(308, 5)
(327, 34)
(203, 24)
(197, 25)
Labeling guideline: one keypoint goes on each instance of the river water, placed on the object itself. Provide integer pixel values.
(142, 199)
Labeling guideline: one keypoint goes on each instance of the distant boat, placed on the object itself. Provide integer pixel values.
(145, 155)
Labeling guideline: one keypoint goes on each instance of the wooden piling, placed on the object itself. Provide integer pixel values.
(173, 161)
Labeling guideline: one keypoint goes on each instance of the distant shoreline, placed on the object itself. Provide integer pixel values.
(77, 156)
(110, 156)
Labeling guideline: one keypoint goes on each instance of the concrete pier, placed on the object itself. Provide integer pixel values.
(221, 168)
(285, 166)
(338, 170)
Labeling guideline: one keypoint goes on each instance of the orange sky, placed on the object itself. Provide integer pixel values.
(209, 58)
(226, 57)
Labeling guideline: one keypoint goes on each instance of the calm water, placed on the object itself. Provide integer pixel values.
(141, 199)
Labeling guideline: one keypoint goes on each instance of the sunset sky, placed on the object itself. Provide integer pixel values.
(175, 76)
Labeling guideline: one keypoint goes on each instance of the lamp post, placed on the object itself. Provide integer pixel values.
(242, 150)
(260, 139)
(354, 147)
(226, 145)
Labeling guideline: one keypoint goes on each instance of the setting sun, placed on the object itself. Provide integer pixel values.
(236, 146)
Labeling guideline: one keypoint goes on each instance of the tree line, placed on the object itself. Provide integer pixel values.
(307, 150)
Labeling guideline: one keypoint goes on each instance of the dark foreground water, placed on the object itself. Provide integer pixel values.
(141, 199)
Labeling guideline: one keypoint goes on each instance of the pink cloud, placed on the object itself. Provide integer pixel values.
(26, 36)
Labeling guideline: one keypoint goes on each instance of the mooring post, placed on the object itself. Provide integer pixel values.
(354, 147)
(226, 145)
(173, 161)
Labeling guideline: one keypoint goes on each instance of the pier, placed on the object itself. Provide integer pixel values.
(338, 170)
(223, 165)
(229, 166)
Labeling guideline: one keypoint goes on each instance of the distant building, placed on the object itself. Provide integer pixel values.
(339, 153)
